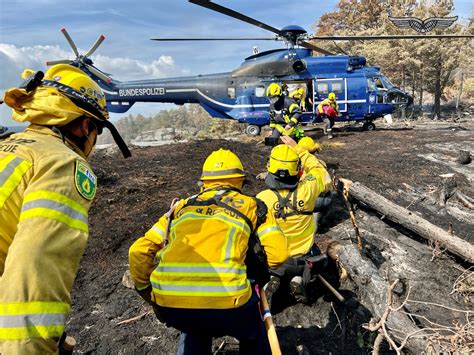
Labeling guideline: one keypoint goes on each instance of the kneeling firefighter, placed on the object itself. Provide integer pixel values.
(197, 264)
(285, 114)
(46, 190)
(291, 198)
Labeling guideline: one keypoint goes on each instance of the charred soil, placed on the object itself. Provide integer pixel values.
(407, 165)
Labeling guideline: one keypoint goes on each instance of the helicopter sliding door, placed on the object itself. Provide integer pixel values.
(322, 88)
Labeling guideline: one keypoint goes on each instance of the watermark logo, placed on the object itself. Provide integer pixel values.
(423, 26)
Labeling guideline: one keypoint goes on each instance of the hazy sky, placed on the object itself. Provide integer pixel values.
(30, 35)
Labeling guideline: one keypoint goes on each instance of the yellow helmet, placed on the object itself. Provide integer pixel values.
(222, 164)
(76, 85)
(332, 96)
(309, 144)
(297, 94)
(273, 90)
(284, 162)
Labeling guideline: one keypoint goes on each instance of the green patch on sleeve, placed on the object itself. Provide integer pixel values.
(85, 180)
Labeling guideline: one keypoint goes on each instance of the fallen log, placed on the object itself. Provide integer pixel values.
(373, 287)
(409, 220)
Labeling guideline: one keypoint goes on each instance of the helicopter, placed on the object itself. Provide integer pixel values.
(363, 92)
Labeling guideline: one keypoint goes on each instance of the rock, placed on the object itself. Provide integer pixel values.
(464, 157)
(127, 280)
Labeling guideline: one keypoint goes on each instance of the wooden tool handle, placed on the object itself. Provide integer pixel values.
(271, 332)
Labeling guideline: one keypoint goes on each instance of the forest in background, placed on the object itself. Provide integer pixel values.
(435, 72)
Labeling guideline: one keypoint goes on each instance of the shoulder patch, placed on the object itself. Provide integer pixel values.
(85, 180)
(309, 177)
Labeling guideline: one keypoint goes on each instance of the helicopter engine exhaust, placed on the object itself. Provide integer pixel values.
(299, 66)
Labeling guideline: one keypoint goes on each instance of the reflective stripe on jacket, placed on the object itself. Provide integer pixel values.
(299, 229)
(288, 112)
(43, 233)
(203, 265)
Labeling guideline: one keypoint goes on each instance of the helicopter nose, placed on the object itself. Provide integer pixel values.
(397, 96)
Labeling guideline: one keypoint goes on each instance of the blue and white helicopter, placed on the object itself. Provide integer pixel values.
(363, 92)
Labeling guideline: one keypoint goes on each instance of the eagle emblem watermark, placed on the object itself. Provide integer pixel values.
(423, 26)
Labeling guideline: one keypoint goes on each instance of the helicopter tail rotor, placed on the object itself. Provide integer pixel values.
(82, 61)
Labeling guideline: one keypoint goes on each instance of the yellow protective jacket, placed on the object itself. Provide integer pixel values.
(327, 102)
(203, 265)
(46, 189)
(299, 228)
(284, 112)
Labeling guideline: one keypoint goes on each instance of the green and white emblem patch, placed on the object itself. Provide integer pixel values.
(86, 181)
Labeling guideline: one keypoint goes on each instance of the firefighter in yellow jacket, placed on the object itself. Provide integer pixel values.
(285, 113)
(198, 266)
(328, 109)
(291, 198)
(46, 189)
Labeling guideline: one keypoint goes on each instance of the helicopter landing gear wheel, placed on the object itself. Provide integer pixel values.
(252, 130)
(368, 126)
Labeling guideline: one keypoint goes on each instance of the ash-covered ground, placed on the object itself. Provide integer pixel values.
(406, 164)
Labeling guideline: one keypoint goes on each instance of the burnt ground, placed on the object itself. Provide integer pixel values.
(403, 163)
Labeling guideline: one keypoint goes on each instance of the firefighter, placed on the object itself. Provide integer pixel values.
(328, 109)
(46, 189)
(299, 96)
(291, 197)
(198, 267)
(285, 114)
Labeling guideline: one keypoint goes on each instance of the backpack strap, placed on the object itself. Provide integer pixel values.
(284, 202)
(256, 259)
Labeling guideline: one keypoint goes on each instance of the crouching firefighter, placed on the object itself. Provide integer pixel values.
(193, 267)
(46, 190)
(285, 114)
(291, 198)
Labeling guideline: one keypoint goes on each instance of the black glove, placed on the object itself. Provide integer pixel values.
(146, 294)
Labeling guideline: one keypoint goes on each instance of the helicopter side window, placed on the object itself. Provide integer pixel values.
(336, 87)
(231, 93)
(323, 88)
(260, 91)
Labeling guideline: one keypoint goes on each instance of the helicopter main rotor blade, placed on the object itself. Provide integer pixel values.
(61, 61)
(226, 11)
(314, 48)
(214, 39)
(70, 41)
(95, 45)
(98, 73)
(384, 37)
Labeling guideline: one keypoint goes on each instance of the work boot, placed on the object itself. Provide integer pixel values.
(297, 289)
(273, 285)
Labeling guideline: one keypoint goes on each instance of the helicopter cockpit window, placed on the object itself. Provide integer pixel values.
(336, 87)
(231, 93)
(323, 88)
(371, 84)
(378, 83)
(260, 91)
(386, 83)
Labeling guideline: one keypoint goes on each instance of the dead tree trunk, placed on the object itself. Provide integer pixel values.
(411, 221)
(373, 288)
